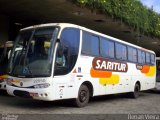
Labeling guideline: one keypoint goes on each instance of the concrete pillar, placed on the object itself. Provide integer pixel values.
(4, 29)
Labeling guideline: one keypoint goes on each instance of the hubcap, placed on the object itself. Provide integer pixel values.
(83, 96)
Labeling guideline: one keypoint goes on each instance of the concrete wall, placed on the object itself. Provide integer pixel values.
(4, 29)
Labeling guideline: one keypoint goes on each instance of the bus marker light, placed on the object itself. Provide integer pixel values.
(34, 94)
(46, 94)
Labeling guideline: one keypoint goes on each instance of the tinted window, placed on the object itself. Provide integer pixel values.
(67, 51)
(70, 39)
(132, 54)
(90, 44)
(152, 59)
(141, 57)
(121, 51)
(107, 48)
(148, 58)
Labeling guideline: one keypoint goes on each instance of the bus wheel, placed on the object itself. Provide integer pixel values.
(135, 94)
(83, 96)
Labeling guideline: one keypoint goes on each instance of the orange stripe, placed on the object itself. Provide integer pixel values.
(145, 69)
(100, 74)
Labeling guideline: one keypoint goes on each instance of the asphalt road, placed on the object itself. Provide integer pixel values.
(147, 103)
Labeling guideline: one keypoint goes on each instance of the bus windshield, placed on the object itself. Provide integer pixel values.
(33, 53)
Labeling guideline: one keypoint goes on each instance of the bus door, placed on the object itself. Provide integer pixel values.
(60, 69)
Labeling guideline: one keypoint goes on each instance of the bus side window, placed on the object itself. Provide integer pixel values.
(141, 57)
(132, 54)
(148, 59)
(90, 44)
(106, 48)
(153, 59)
(121, 51)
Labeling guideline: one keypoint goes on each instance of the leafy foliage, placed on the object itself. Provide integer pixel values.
(132, 12)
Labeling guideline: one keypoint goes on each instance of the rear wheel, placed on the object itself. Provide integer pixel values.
(136, 92)
(83, 96)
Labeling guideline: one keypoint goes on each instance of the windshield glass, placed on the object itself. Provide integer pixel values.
(33, 52)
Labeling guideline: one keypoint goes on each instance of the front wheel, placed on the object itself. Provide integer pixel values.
(83, 96)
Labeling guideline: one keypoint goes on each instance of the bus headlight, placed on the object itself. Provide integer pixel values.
(45, 85)
(3, 80)
(9, 81)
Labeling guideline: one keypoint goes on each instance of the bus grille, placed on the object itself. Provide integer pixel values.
(23, 94)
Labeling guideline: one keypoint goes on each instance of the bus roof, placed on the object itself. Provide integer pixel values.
(63, 25)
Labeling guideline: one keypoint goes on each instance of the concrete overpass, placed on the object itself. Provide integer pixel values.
(21, 13)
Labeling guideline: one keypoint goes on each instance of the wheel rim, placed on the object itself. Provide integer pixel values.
(83, 96)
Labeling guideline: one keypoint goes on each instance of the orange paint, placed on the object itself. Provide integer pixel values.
(100, 74)
(145, 69)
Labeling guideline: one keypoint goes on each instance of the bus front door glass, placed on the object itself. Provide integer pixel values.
(67, 52)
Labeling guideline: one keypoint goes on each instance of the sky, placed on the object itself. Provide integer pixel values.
(154, 3)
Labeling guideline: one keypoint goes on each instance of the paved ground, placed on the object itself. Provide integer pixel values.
(147, 103)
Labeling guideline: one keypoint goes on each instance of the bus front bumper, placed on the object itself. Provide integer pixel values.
(39, 94)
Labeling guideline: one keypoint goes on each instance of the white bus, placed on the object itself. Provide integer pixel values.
(4, 58)
(5, 51)
(66, 61)
(158, 74)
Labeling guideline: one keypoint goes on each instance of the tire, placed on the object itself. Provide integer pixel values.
(83, 97)
(136, 92)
